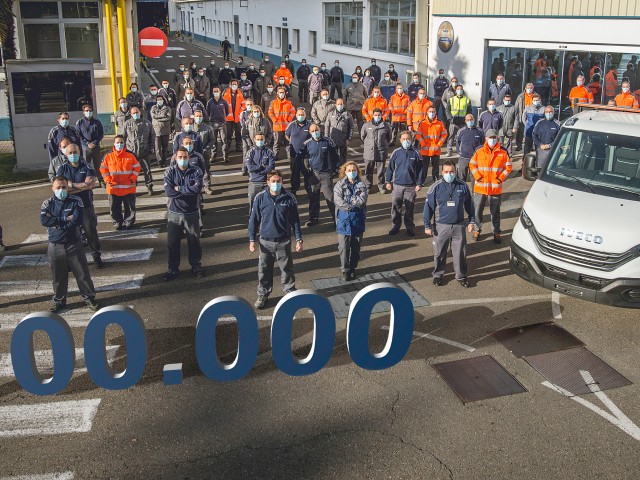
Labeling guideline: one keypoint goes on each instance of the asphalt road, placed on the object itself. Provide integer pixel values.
(343, 422)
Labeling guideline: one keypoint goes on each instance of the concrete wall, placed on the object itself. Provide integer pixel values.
(573, 9)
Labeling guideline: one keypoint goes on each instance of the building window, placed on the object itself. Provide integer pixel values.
(251, 39)
(259, 34)
(269, 36)
(313, 43)
(393, 26)
(296, 40)
(343, 23)
(61, 29)
(278, 39)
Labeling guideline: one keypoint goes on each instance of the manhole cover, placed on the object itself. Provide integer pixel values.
(478, 378)
(563, 369)
(535, 339)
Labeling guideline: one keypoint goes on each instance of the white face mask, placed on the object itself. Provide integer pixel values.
(492, 142)
(580, 83)
(529, 90)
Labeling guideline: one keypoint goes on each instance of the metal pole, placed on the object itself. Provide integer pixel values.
(124, 45)
(108, 15)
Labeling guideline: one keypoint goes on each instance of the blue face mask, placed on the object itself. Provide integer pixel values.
(275, 187)
(548, 116)
(118, 146)
(316, 135)
(449, 177)
(182, 163)
(352, 175)
(259, 143)
(61, 194)
(471, 123)
(189, 147)
(73, 157)
(492, 108)
(135, 116)
(64, 123)
(406, 144)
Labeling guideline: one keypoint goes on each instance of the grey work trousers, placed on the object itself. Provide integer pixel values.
(403, 194)
(456, 235)
(189, 223)
(90, 226)
(464, 173)
(65, 257)
(380, 171)
(162, 149)
(219, 133)
(116, 203)
(146, 169)
(279, 141)
(349, 248)
(506, 142)
(453, 133)
(92, 157)
(271, 252)
(316, 183)
(254, 189)
(479, 202)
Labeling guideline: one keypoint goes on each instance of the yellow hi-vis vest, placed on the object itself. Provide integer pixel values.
(459, 105)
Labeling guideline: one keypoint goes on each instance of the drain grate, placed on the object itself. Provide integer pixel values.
(478, 378)
(563, 369)
(536, 339)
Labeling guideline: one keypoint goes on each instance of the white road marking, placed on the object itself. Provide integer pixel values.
(616, 417)
(439, 339)
(555, 306)
(473, 301)
(171, 70)
(140, 217)
(44, 476)
(51, 418)
(21, 288)
(168, 56)
(207, 56)
(261, 318)
(138, 255)
(151, 42)
(195, 56)
(182, 56)
(44, 360)
(25, 187)
(174, 48)
(153, 70)
(135, 234)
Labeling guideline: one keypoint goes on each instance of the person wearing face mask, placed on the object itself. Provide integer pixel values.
(178, 76)
(405, 177)
(417, 110)
(187, 107)
(415, 87)
(325, 76)
(376, 136)
(283, 84)
(368, 81)
(456, 109)
(188, 131)
(632, 76)
(289, 64)
(62, 215)
(322, 108)
(60, 159)
(201, 87)
(283, 72)
(273, 215)
(398, 104)
(354, 97)
(123, 114)
(315, 82)
(376, 72)
(611, 83)
(296, 134)
(236, 101)
(350, 197)
(339, 128)
(336, 78)
(252, 73)
(169, 94)
(281, 113)
(183, 184)
(91, 134)
(267, 97)
(161, 122)
(580, 94)
(212, 73)
(446, 96)
(82, 180)
(246, 87)
(217, 111)
(208, 140)
(150, 100)
(225, 46)
(469, 140)
(241, 67)
(447, 201)
(393, 74)
(358, 72)
(260, 86)
(135, 97)
(490, 167)
(387, 87)
(626, 98)
(139, 139)
(193, 69)
(498, 90)
(544, 134)
(302, 75)
(376, 100)
(226, 75)
(120, 170)
(268, 66)
(431, 135)
(319, 161)
(532, 115)
(524, 100)
(440, 85)
(187, 83)
(259, 161)
(509, 124)
(491, 118)
(255, 123)
(60, 131)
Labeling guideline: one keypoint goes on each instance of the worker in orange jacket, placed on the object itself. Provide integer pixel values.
(626, 98)
(281, 112)
(398, 105)
(283, 71)
(580, 93)
(490, 167)
(431, 135)
(417, 110)
(610, 84)
(235, 99)
(120, 170)
(376, 100)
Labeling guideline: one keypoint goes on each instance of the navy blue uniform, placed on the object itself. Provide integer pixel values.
(197, 141)
(56, 134)
(406, 171)
(323, 163)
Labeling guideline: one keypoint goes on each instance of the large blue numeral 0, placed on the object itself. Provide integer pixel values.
(206, 353)
(324, 333)
(95, 348)
(23, 359)
(400, 328)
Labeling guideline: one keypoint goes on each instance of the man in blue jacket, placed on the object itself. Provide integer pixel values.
(447, 201)
(187, 131)
(60, 131)
(62, 215)
(274, 214)
(440, 85)
(544, 134)
(469, 139)
(406, 172)
(297, 133)
(260, 161)
(91, 134)
(183, 185)
(531, 115)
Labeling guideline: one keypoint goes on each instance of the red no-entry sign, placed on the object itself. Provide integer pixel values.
(152, 42)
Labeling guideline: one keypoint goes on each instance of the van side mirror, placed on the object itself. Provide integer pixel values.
(529, 169)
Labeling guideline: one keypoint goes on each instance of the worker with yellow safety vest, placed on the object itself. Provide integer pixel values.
(456, 109)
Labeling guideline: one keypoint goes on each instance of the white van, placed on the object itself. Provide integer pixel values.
(579, 229)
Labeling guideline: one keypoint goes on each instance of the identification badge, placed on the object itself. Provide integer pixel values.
(451, 203)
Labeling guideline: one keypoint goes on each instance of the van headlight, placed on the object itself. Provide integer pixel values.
(525, 220)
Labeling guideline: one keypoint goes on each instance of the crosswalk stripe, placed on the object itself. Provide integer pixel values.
(140, 217)
(153, 70)
(171, 70)
(168, 56)
(140, 202)
(207, 56)
(195, 55)
(44, 476)
(136, 255)
(182, 56)
(21, 288)
(44, 361)
(136, 234)
(53, 418)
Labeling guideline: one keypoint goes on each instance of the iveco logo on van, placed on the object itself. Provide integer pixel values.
(587, 237)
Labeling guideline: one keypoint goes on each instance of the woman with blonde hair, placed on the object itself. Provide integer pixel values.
(350, 196)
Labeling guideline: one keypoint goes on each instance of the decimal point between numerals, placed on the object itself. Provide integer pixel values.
(172, 374)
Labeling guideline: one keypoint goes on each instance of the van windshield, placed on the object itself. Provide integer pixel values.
(602, 163)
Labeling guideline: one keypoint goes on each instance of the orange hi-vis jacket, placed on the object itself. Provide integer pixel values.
(417, 112)
(371, 104)
(610, 84)
(240, 105)
(431, 134)
(398, 106)
(627, 100)
(283, 72)
(583, 94)
(281, 113)
(120, 170)
(490, 168)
